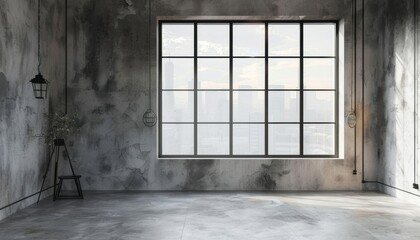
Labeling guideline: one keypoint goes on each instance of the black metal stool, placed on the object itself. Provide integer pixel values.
(78, 187)
(57, 187)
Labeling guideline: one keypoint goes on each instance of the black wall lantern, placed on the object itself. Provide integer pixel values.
(39, 84)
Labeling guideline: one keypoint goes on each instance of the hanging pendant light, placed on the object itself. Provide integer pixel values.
(39, 86)
(39, 83)
(351, 120)
(149, 117)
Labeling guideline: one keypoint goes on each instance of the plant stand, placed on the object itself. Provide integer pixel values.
(57, 187)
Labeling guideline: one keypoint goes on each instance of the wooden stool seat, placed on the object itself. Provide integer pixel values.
(76, 179)
(69, 177)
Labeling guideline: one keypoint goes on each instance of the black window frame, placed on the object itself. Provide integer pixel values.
(266, 122)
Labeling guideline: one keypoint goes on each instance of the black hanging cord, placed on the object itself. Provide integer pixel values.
(354, 5)
(65, 57)
(39, 36)
(353, 85)
(363, 91)
(149, 54)
(149, 117)
(415, 184)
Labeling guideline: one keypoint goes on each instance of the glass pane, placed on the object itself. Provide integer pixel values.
(248, 73)
(283, 73)
(177, 73)
(178, 39)
(213, 73)
(283, 106)
(248, 39)
(213, 39)
(248, 106)
(319, 73)
(177, 106)
(213, 139)
(319, 39)
(283, 39)
(283, 139)
(213, 106)
(319, 139)
(177, 139)
(319, 106)
(248, 139)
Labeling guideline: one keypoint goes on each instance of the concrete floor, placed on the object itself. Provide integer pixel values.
(169, 215)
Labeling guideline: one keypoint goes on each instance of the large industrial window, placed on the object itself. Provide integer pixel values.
(234, 89)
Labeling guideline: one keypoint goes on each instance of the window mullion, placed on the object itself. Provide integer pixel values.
(266, 91)
(195, 90)
(160, 92)
(301, 91)
(230, 89)
(337, 99)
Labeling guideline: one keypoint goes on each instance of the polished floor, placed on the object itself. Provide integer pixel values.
(169, 215)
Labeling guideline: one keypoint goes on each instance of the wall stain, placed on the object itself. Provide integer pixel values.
(268, 175)
(110, 66)
(4, 87)
(197, 173)
(136, 178)
(265, 181)
(103, 109)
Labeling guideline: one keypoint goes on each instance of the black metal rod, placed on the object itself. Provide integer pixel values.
(57, 155)
(399, 189)
(45, 175)
(415, 92)
(68, 158)
(20, 200)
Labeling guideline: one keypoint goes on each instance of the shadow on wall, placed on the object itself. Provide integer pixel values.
(4, 86)
(395, 96)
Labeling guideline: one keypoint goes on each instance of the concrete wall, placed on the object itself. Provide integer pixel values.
(109, 88)
(396, 99)
(22, 155)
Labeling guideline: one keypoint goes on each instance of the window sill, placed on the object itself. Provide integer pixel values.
(250, 159)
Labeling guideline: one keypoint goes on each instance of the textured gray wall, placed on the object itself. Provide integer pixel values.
(22, 156)
(108, 87)
(396, 100)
